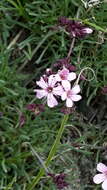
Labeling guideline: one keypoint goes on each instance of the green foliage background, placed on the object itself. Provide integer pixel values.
(29, 45)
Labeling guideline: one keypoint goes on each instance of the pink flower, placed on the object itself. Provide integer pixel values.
(102, 177)
(49, 89)
(64, 76)
(70, 95)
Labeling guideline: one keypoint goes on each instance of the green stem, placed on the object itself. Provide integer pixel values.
(51, 154)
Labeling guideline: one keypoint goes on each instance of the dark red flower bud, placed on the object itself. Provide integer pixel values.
(67, 110)
(64, 62)
(63, 21)
(104, 90)
(74, 28)
(49, 72)
(22, 119)
(59, 180)
(36, 108)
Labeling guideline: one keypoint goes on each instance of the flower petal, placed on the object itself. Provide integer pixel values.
(40, 93)
(76, 89)
(88, 30)
(58, 90)
(104, 184)
(52, 80)
(42, 83)
(71, 76)
(69, 103)
(66, 84)
(101, 167)
(51, 101)
(76, 98)
(57, 77)
(64, 96)
(64, 72)
(99, 178)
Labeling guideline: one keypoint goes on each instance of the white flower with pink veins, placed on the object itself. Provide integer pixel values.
(102, 176)
(64, 76)
(71, 95)
(49, 90)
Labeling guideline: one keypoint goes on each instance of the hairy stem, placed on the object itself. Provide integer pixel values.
(71, 47)
(73, 40)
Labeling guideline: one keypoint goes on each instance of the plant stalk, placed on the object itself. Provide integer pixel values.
(51, 154)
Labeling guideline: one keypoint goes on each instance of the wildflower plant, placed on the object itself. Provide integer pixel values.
(47, 56)
(60, 85)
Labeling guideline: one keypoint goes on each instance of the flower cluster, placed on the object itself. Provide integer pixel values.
(102, 177)
(74, 28)
(58, 85)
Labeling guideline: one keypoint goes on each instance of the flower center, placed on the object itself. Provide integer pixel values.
(49, 89)
(105, 173)
(69, 93)
(63, 77)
